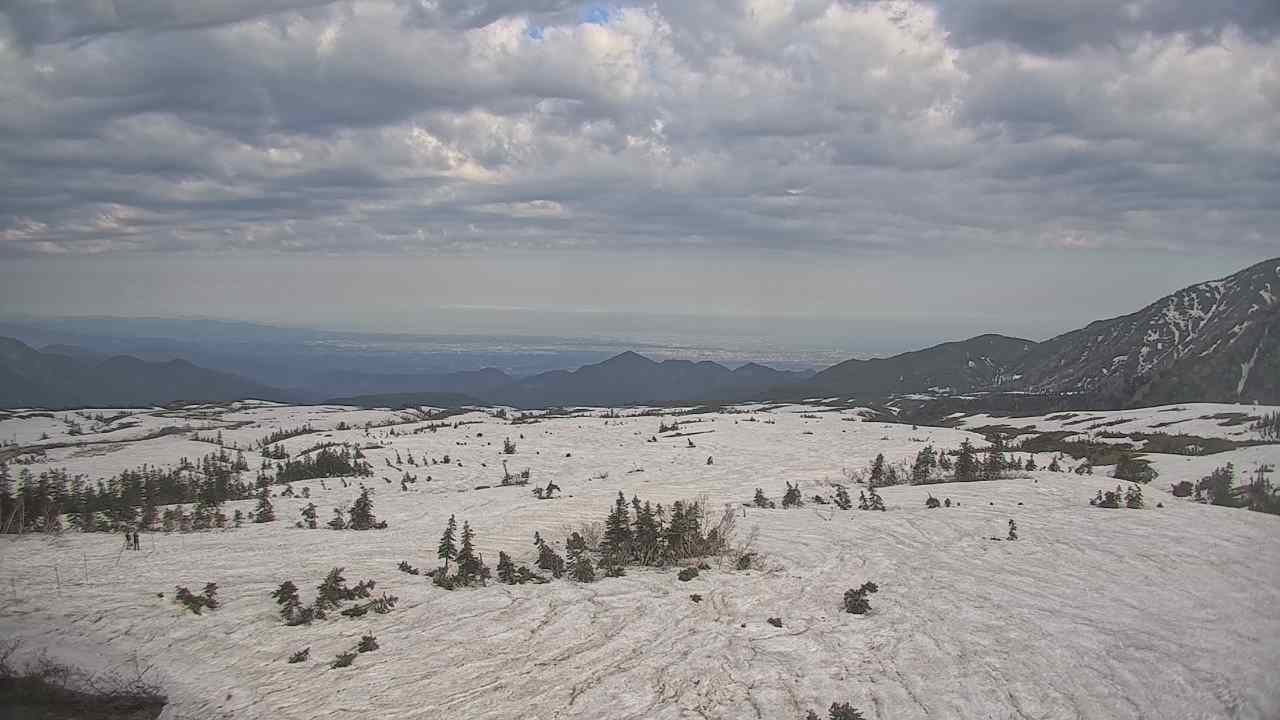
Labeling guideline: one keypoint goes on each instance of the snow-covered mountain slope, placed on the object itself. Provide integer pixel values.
(1156, 613)
(1218, 340)
(1206, 420)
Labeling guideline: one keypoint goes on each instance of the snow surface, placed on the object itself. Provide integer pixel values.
(1184, 419)
(1156, 613)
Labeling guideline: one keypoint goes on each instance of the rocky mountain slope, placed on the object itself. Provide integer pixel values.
(1215, 341)
(1218, 341)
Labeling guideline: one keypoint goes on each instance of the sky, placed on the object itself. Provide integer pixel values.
(898, 170)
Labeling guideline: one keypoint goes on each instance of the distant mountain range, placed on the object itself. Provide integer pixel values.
(631, 378)
(1215, 341)
(74, 378)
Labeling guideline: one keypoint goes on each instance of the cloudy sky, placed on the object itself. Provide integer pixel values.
(1013, 165)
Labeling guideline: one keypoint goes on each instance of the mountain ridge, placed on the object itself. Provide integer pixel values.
(33, 378)
(1214, 341)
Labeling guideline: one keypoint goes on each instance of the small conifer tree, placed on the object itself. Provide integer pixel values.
(761, 501)
(470, 567)
(842, 498)
(874, 501)
(618, 537)
(924, 464)
(309, 515)
(966, 463)
(287, 597)
(264, 513)
(583, 570)
(994, 461)
(877, 471)
(1133, 497)
(448, 548)
(792, 496)
(361, 516)
(506, 569)
(548, 558)
(843, 711)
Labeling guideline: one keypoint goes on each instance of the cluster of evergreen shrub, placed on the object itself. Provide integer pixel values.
(1219, 488)
(870, 500)
(330, 595)
(965, 464)
(855, 599)
(867, 500)
(511, 574)
(368, 643)
(881, 474)
(195, 603)
(326, 463)
(838, 711)
(540, 492)
(130, 499)
(1268, 426)
(761, 500)
(360, 516)
(282, 435)
(1133, 469)
(469, 567)
(792, 498)
(638, 533)
(520, 478)
(1131, 498)
(635, 533)
(842, 499)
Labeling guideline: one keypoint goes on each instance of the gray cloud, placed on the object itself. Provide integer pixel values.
(38, 22)
(1053, 27)
(435, 126)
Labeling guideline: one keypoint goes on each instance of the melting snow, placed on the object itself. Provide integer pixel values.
(962, 626)
(1247, 367)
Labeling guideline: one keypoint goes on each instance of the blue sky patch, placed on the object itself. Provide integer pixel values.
(596, 14)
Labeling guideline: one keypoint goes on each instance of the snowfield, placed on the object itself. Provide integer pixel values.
(1169, 612)
(1210, 420)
